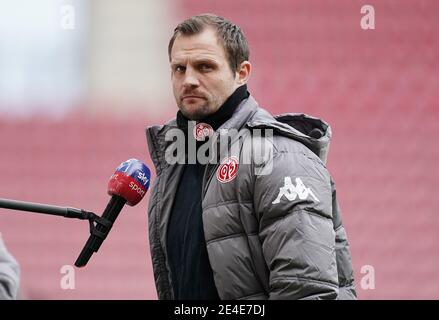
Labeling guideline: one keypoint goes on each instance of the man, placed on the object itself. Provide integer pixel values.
(9, 274)
(221, 230)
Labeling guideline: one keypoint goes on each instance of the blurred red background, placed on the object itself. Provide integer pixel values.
(379, 90)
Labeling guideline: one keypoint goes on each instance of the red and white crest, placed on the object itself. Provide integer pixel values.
(202, 131)
(227, 170)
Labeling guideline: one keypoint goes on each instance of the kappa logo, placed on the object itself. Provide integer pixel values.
(291, 191)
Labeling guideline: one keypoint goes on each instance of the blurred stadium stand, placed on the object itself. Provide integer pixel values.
(379, 89)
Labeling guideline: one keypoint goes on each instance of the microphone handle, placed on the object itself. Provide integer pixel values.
(94, 242)
(43, 208)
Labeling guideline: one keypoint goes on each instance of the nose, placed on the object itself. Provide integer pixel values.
(190, 78)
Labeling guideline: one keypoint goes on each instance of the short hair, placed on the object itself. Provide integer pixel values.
(230, 35)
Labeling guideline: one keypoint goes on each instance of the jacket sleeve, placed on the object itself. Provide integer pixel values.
(293, 203)
(346, 283)
(9, 274)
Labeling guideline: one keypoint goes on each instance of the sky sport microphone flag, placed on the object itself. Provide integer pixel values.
(128, 184)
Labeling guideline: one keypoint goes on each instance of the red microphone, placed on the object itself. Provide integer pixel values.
(128, 184)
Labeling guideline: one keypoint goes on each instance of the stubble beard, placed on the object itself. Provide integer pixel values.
(205, 109)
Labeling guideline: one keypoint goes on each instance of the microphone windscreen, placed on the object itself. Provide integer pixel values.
(130, 181)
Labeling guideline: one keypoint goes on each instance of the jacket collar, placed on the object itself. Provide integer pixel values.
(314, 133)
(157, 143)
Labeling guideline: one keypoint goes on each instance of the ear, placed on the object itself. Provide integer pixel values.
(243, 72)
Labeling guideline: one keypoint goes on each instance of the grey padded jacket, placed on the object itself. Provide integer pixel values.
(268, 236)
(9, 274)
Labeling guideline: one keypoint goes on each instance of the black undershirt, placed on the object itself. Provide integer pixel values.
(191, 274)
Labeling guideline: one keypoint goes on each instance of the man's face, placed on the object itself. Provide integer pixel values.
(202, 79)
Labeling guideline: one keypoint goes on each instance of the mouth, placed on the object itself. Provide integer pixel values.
(192, 97)
(192, 100)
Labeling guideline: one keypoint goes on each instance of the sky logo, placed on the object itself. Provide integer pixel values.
(137, 170)
(142, 177)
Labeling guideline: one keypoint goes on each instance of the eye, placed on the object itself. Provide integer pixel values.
(179, 69)
(205, 67)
